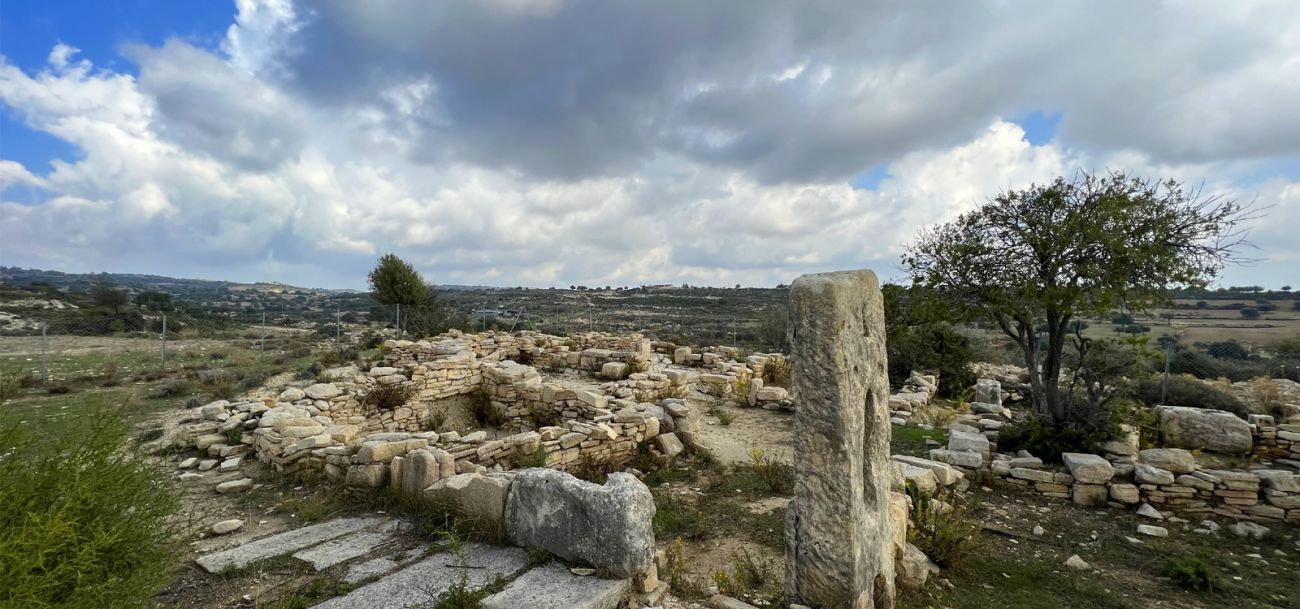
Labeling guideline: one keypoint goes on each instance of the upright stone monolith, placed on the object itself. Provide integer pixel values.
(837, 542)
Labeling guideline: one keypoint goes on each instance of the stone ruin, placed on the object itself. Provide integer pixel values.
(840, 541)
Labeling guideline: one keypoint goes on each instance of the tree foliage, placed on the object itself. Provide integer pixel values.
(395, 281)
(1043, 256)
(921, 336)
(105, 295)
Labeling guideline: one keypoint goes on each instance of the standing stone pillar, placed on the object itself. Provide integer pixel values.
(837, 539)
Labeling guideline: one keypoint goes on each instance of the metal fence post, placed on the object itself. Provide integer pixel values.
(262, 348)
(1169, 355)
(398, 323)
(45, 366)
(162, 348)
(338, 330)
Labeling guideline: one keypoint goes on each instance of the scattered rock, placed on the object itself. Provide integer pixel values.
(1146, 510)
(1250, 530)
(1078, 564)
(1153, 531)
(235, 486)
(227, 526)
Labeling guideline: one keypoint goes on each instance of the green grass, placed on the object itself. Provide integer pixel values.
(989, 581)
(908, 440)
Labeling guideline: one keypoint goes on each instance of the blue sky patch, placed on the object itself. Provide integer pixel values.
(1040, 127)
(871, 178)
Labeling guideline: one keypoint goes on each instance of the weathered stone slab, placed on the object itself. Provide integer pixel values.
(284, 543)
(1175, 460)
(837, 533)
(608, 527)
(1211, 430)
(479, 498)
(554, 587)
(1088, 469)
(423, 582)
(343, 549)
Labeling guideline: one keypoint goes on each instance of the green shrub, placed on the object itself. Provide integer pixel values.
(170, 389)
(948, 535)
(1047, 441)
(1190, 572)
(83, 522)
(388, 397)
(935, 348)
(535, 458)
(1188, 391)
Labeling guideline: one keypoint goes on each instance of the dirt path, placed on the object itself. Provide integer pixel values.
(770, 431)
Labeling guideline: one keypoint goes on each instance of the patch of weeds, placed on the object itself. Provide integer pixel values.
(223, 391)
(776, 474)
(483, 411)
(149, 435)
(534, 458)
(777, 372)
(724, 418)
(312, 593)
(543, 416)
(388, 397)
(310, 372)
(594, 469)
(636, 365)
(675, 517)
(59, 390)
(315, 507)
(948, 535)
(169, 389)
(1190, 572)
(235, 436)
(460, 594)
(538, 557)
(11, 385)
(748, 574)
(683, 583)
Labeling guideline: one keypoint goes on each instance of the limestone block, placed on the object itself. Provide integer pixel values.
(608, 527)
(1175, 460)
(1210, 430)
(480, 498)
(837, 528)
(1088, 469)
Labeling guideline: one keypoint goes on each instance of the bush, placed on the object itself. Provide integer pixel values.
(170, 389)
(1188, 391)
(388, 397)
(1190, 572)
(937, 348)
(947, 534)
(1228, 350)
(1047, 441)
(1250, 313)
(84, 521)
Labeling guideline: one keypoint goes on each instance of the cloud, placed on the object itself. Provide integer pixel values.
(575, 141)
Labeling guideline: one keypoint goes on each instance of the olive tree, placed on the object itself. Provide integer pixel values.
(395, 281)
(1035, 260)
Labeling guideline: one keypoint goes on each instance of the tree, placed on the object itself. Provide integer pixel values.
(1047, 254)
(395, 282)
(772, 328)
(105, 295)
(1250, 313)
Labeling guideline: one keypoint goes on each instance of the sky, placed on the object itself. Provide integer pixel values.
(559, 142)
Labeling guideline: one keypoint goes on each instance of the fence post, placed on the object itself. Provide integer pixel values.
(338, 330)
(399, 321)
(1164, 386)
(162, 349)
(262, 348)
(45, 366)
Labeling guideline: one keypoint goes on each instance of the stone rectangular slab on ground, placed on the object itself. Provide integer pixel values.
(421, 583)
(553, 586)
(284, 543)
(343, 549)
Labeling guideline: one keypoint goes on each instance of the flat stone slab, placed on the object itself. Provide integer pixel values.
(284, 543)
(343, 549)
(382, 565)
(422, 582)
(554, 587)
